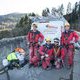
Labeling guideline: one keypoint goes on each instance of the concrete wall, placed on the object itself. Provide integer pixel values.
(7, 45)
(76, 66)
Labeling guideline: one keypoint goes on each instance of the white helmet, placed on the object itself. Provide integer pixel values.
(67, 24)
(56, 40)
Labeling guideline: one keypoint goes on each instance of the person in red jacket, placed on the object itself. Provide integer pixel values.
(58, 54)
(68, 38)
(34, 38)
(46, 54)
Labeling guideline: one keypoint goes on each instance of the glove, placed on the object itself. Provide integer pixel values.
(72, 42)
(58, 60)
(39, 43)
(42, 57)
(40, 40)
(28, 44)
(46, 55)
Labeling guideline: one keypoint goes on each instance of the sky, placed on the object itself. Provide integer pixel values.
(28, 6)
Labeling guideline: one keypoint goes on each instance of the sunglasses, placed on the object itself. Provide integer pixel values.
(66, 26)
(48, 41)
(56, 42)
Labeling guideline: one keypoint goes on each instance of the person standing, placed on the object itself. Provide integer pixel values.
(68, 38)
(35, 38)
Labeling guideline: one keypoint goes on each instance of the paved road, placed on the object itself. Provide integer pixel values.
(36, 74)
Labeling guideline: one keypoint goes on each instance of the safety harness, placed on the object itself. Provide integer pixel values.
(66, 37)
(47, 47)
(56, 51)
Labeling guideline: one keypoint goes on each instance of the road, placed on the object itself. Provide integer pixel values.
(37, 73)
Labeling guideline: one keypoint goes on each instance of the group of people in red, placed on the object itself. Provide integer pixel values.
(51, 54)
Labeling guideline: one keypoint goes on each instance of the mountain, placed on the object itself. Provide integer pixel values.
(12, 17)
(10, 20)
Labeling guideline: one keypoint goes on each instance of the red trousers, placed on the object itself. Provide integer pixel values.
(33, 58)
(46, 62)
(69, 53)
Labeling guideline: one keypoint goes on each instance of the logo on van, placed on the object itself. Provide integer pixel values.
(51, 26)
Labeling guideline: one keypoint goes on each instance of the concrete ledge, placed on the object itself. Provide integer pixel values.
(5, 41)
(7, 45)
(76, 67)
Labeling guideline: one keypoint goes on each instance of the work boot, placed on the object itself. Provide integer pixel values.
(57, 65)
(69, 66)
(10, 67)
(39, 64)
(49, 67)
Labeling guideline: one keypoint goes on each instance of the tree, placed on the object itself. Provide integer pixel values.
(24, 22)
(45, 12)
(79, 9)
(5, 34)
(53, 10)
(68, 8)
(23, 26)
(79, 15)
(61, 9)
(75, 12)
(32, 14)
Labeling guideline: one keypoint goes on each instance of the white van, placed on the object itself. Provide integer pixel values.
(51, 29)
